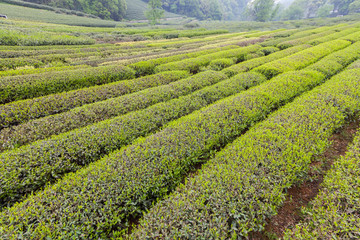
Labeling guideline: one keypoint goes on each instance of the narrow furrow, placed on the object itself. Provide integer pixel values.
(335, 212)
(300, 195)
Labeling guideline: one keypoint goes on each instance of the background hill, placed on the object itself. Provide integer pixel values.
(105, 9)
(200, 9)
(48, 16)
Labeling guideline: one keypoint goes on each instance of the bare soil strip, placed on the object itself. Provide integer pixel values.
(300, 195)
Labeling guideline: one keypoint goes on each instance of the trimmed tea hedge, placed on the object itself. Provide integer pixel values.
(355, 37)
(82, 116)
(335, 62)
(301, 59)
(126, 182)
(220, 64)
(337, 32)
(24, 110)
(91, 143)
(354, 65)
(296, 35)
(193, 65)
(244, 184)
(39, 70)
(35, 85)
(335, 212)
(13, 63)
(148, 67)
(253, 63)
(337, 35)
(269, 50)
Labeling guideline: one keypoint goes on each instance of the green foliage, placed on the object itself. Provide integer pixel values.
(136, 11)
(354, 65)
(334, 213)
(244, 184)
(341, 6)
(301, 59)
(105, 9)
(155, 12)
(16, 38)
(208, 9)
(232, 121)
(317, 8)
(38, 70)
(354, 7)
(22, 111)
(335, 62)
(35, 85)
(193, 65)
(268, 50)
(337, 35)
(306, 39)
(296, 10)
(220, 64)
(261, 10)
(324, 11)
(148, 67)
(46, 7)
(295, 36)
(354, 37)
(250, 64)
(97, 140)
(174, 147)
(68, 155)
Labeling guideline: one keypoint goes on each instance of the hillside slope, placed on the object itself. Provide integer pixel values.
(40, 15)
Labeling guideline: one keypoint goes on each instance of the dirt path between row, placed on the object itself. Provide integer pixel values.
(300, 195)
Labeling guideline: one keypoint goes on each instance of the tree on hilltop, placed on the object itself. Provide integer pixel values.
(261, 10)
(155, 12)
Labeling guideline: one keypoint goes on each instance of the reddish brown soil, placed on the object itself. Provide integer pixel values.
(299, 196)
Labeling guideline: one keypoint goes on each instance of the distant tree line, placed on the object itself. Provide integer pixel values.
(300, 9)
(257, 10)
(207, 9)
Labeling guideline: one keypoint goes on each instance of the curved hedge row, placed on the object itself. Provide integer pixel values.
(200, 41)
(297, 35)
(354, 65)
(193, 65)
(13, 63)
(55, 156)
(303, 40)
(301, 59)
(221, 63)
(335, 211)
(337, 35)
(270, 158)
(126, 182)
(269, 50)
(35, 85)
(24, 110)
(335, 62)
(86, 115)
(355, 37)
(39, 70)
(253, 63)
(20, 52)
(148, 67)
